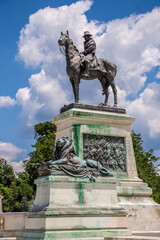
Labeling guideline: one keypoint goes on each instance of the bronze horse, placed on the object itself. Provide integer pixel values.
(106, 71)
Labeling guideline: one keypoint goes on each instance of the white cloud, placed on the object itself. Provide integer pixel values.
(146, 110)
(131, 43)
(154, 125)
(6, 101)
(158, 75)
(9, 151)
(17, 166)
(43, 98)
(38, 39)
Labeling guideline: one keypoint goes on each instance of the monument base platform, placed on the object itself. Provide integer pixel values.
(90, 125)
(77, 235)
(100, 107)
(89, 210)
(69, 203)
(110, 208)
(70, 208)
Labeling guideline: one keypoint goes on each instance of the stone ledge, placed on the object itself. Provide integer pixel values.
(146, 235)
(63, 235)
(100, 107)
(79, 212)
(68, 179)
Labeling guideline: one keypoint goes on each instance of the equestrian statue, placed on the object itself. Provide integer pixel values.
(87, 66)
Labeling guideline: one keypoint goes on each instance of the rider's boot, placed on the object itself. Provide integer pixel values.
(86, 73)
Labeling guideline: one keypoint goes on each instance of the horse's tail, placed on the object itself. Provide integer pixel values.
(115, 70)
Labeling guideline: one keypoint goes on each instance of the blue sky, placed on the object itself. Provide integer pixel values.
(34, 84)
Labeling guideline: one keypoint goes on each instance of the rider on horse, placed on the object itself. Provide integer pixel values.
(94, 68)
(88, 55)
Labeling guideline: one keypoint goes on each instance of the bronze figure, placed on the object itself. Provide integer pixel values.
(88, 55)
(86, 66)
(66, 162)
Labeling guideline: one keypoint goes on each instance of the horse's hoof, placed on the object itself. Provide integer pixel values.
(103, 104)
(115, 105)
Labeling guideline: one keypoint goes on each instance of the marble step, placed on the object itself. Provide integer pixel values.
(8, 238)
(132, 238)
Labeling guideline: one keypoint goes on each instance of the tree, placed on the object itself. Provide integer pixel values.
(146, 161)
(7, 175)
(16, 191)
(45, 138)
(22, 194)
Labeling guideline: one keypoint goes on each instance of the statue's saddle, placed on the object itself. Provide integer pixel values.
(95, 64)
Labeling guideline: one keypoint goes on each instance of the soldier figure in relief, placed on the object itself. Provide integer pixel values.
(88, 55)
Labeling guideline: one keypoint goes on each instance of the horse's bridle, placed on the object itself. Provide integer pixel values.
(62, 48)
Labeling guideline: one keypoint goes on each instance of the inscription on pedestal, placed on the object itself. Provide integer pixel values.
(109, 151)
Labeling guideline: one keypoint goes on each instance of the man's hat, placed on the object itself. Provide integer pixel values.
(86, 33)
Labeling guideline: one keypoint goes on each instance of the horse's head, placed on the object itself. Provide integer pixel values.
(64, 39)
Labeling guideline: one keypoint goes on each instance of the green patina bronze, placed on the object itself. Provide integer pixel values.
(108, 150)
(80, 194)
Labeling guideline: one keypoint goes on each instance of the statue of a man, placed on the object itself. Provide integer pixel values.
(88, 54)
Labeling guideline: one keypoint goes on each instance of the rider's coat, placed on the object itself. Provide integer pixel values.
(89, 49)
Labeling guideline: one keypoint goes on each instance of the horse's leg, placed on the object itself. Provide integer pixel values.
(73, 86)
(106, 93)
(105, 85)
(76, 84)
(114, 92)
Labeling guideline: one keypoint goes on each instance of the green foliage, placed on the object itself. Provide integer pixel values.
(45, 138)
(16, 191)
(7, 200)
(146, 161)
(6, 173)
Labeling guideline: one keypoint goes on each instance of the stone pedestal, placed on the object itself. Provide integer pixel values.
(75, 208)
(66, 203)
(69, 208)
(69, 195)
(78, 121)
